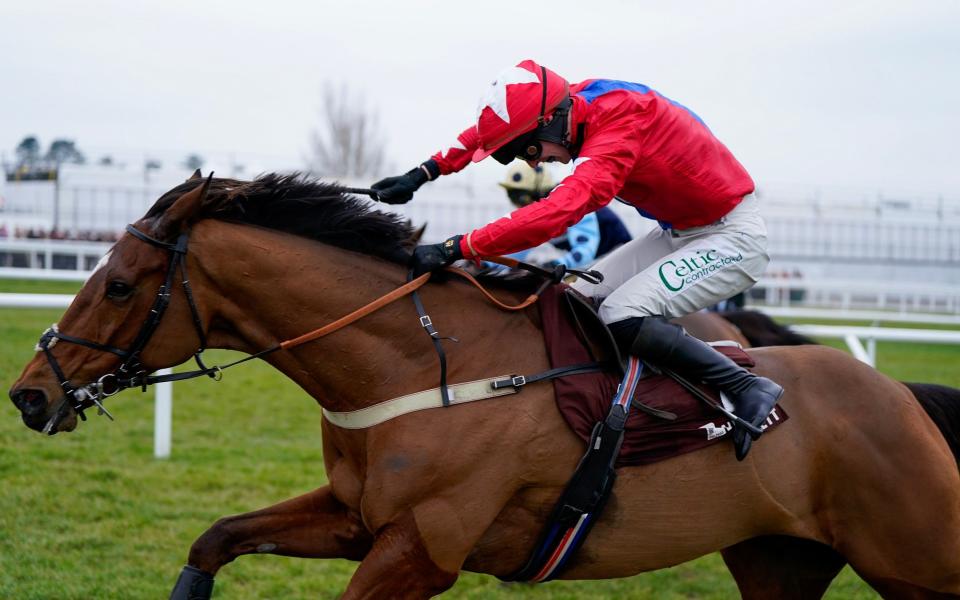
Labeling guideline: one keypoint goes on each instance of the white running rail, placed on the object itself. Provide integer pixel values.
(868, 354)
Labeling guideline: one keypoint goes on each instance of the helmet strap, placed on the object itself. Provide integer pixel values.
(575, 148)
(556, 129)
(541, 120)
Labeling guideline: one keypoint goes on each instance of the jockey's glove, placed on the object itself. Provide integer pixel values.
(430, 257)
(400, 189)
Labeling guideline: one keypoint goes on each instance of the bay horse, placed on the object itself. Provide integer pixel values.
(713, 327)
(859, 475)
(760, 330)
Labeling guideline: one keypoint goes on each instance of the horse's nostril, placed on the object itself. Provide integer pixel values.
(30, 402)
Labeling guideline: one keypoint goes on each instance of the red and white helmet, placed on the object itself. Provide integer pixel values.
(515, 103)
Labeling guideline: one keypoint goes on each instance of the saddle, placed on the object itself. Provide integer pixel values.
(667, 419)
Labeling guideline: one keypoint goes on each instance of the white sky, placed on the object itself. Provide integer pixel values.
(859, 94)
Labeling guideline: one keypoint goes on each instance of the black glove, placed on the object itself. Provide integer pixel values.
(400, 189)
(430, 257)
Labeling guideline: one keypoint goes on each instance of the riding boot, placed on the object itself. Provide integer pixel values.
(664, 344)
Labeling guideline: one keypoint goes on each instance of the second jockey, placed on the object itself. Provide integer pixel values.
(628, 142)
(595, 235)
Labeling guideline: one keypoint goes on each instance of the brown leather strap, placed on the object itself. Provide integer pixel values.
(503, 260)
(530, 299)
(361, 312)
(402, 291)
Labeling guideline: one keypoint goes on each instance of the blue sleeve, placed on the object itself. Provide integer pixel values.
(584, 239)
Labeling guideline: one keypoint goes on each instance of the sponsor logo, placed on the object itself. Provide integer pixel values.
(677, 273)
(713, 432)
(771, 420)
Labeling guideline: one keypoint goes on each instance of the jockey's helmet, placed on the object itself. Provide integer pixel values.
(521, 100)
(526, 184)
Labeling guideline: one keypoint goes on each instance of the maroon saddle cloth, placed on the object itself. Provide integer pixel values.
(574, 335)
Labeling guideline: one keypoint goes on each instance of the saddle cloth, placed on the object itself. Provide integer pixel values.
(585, 399)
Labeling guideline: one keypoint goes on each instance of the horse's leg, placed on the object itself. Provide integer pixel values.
(782, 567)
(419, 552)
(399, 565)
(314, 525)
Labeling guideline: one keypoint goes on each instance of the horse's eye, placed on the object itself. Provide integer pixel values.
(118, 290)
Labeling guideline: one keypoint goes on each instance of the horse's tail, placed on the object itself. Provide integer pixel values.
(760, 330)
(942, 403)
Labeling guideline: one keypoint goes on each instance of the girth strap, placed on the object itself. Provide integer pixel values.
(517, 381)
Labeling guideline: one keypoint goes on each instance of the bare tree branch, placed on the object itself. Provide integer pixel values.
(348, 141)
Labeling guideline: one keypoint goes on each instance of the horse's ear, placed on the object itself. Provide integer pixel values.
(196, 175)
(418, 234)
(411, 242)
(183, 212)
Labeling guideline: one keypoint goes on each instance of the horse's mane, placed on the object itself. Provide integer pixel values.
(303, 206)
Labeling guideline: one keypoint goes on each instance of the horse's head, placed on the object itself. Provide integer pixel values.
(133, 315)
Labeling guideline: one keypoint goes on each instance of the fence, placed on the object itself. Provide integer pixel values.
(868, 354)
(904, 297)
(54, 255)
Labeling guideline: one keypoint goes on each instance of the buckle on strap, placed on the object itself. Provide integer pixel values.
(425, 322)
(515, 381)
(48, 339)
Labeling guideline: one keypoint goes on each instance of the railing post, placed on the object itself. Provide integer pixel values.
(857, 349)
(163, 417)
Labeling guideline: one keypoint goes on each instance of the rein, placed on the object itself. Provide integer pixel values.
(131, 372)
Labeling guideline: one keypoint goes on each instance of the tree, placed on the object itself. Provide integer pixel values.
(28, 151)
(63, 151)
(105, 161)
(348, 141)
(193, 162)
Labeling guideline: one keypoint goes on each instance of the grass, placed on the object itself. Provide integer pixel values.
(93, 514)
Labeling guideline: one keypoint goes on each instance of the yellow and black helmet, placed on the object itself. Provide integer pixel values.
(526, 184)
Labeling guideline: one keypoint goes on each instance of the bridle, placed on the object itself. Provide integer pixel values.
(131, 372)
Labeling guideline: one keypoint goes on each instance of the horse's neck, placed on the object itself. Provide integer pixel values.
(264, 287)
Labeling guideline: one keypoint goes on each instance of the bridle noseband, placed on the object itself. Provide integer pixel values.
(131, 372)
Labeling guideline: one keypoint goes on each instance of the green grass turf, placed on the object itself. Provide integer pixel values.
(27, 286)
(92, 514)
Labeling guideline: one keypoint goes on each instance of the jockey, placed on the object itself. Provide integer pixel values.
(593, 236)
(576, 246)
(628, 142)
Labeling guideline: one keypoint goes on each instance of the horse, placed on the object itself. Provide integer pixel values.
(713, 327)
(861, 473)
(761, 331)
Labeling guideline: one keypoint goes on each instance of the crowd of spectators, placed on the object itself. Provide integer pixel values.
(36, 233)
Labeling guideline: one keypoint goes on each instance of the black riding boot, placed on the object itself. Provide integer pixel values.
(661, 343)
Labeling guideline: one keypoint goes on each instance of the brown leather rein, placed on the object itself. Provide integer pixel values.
(405, 290)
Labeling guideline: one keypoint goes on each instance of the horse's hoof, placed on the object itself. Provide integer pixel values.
(193, 584)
